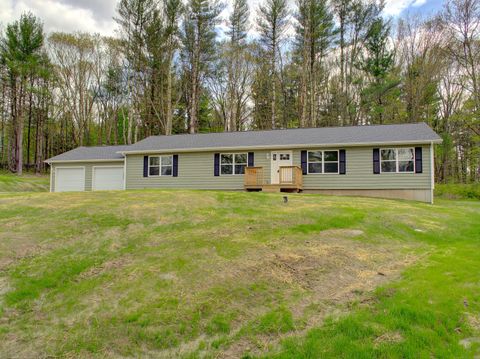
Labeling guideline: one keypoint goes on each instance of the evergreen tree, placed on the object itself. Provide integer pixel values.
(21, 54)
(198, 52)
(378, 65)
(314, 35)
(272, 23)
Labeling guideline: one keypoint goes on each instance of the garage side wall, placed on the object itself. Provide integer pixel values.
(88, 170)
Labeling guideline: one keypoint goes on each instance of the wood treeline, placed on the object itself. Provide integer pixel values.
(180, 67)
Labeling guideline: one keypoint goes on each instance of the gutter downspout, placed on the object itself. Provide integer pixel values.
(124, 172)
(432, 171)
(51, 176)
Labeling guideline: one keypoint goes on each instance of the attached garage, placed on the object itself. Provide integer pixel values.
(88, 169)
(69, 179)
(107, 178)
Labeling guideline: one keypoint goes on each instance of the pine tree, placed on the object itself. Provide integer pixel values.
(272, 24)
(314, 35)
(198, 52)
(21, 53)
(235, 62)
(378, 64)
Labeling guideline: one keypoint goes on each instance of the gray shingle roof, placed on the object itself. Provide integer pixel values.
(354, 135)
(415, 133)
(91, 153)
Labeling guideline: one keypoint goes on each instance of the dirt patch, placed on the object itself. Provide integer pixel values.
(107, 266)
(388, 338)
(473, 321)
(342, 233)
(330, 270)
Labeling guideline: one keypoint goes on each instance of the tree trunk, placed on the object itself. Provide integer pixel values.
(169, 114)
(274, 80)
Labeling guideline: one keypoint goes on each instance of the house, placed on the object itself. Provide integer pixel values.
(391, 161)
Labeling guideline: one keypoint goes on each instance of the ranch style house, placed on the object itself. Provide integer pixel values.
(389, 161)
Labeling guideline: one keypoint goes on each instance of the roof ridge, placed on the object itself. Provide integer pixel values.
(288, 129)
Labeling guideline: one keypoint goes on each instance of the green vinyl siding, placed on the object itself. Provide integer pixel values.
(359, 174)
(88, 170)
(196, 170)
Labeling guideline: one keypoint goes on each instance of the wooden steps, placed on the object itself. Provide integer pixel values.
(272, 188)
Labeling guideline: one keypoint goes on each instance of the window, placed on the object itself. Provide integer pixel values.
(397, 160)
(233, 163)
(323, 162)
(160, 166)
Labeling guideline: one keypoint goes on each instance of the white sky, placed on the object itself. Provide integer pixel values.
(97, 15)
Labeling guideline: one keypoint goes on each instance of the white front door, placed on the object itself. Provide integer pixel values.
(107, 178)
(279, 159)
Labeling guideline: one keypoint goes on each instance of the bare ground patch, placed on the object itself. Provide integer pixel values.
(330, 270)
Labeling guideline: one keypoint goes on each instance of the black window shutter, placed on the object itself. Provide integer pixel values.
(343, 165)
(145, 166)
(418, 160)
(216, 164)
(376, 161)
(251, 161)
(303, 159)
(175, 166)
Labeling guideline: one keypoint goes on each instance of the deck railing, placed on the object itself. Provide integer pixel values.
(254, 176)
(290, 176)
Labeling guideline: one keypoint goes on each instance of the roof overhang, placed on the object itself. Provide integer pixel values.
(271, 147)
(77, 161)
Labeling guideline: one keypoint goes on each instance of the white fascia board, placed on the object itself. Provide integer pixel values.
(240, 148)
(76, 161)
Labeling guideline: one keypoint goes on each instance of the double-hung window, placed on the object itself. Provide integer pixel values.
(323, 161)
(160, 166)
(233, 163)
(397, 160)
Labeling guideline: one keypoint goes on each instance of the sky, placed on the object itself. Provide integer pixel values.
(96, 16)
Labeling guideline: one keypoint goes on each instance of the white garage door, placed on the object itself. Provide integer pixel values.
(107, 178)
(69, 179)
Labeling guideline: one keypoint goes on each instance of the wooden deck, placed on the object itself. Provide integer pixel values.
(290, 180)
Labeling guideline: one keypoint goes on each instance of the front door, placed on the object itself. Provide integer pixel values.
(279, 159)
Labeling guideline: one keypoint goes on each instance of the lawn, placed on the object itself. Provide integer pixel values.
(26, 183)
(225, 275)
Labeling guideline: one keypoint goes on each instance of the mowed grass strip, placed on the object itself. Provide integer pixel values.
(10, 182)
(225, 274)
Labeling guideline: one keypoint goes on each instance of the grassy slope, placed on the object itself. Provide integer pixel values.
(27, 183)
(190, 273)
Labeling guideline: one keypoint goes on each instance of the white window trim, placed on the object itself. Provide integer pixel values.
(396, 159)
(160, 166)
(232, 164)
(323, 162)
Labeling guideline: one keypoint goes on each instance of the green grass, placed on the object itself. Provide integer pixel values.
(26, 183)
(458, 191)
(220, 274)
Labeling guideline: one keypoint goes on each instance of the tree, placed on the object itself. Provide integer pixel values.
(461, 21)
(134, 18)
(75, 58)
(272, 20)
(314, 36)
(21, 54)
(422, 64)
(238, 65)
(173, 10)
(378, 63)
(198, 51)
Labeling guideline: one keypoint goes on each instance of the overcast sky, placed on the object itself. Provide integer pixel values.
(96, 15)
